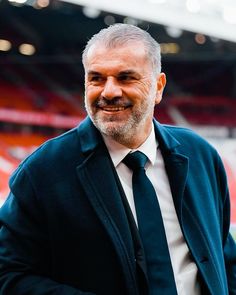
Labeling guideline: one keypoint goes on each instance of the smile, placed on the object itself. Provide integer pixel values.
(113, 109)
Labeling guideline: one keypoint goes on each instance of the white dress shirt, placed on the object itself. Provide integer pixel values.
(185, 270)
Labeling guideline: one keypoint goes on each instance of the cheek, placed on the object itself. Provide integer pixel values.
(145, 93)
(92, 93)
(90, 96)
(145, 88)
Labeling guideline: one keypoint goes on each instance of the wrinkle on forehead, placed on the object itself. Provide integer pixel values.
(129, 56)
(99, 50)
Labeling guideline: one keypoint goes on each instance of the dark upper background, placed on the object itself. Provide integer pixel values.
(60, 31)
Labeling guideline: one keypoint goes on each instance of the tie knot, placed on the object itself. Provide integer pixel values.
(135, 160)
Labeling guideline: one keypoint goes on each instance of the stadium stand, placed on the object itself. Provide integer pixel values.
(207, 110)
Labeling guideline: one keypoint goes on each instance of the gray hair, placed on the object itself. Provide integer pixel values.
(121, 34)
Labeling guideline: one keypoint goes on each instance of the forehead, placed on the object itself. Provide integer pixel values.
(132, 54)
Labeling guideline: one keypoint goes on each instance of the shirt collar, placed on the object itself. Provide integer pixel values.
(118, 151)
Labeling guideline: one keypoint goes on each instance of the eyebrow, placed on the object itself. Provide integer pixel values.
(127, 72)
(94, 73)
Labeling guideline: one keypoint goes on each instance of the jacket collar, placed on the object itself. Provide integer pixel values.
(167, 141)
(90, 137)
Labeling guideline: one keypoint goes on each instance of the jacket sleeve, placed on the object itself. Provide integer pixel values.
(228, 241)
(24, 247)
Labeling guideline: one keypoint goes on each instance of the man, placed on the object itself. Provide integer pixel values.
(70, 226)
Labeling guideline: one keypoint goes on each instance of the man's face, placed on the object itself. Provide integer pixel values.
(121, 91)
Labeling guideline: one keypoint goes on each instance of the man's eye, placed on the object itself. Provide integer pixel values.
(126, 78)
(96, 78)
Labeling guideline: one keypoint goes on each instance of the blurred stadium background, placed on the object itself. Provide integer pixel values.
(41, 76)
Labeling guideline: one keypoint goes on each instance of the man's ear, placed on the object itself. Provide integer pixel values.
(161, 83)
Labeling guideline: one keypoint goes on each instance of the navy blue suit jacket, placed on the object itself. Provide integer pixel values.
(66, 228)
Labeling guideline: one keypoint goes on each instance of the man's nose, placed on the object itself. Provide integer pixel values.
(111, 89)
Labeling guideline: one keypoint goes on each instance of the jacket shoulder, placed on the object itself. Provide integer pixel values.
(187, 137)
(53, 155)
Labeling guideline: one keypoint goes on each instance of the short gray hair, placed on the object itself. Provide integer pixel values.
(121, 34)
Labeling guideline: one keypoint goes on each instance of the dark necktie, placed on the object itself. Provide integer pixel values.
(151, 228)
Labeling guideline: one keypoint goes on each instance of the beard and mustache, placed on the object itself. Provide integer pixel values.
(107, 116)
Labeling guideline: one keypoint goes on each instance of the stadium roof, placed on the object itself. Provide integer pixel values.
(215, 18)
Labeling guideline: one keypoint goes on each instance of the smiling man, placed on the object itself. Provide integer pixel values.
(121, 204)
(121, 91)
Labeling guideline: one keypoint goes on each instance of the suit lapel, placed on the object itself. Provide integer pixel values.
(98, 180)
(177, 164)
(98, 177)
(177, 170)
